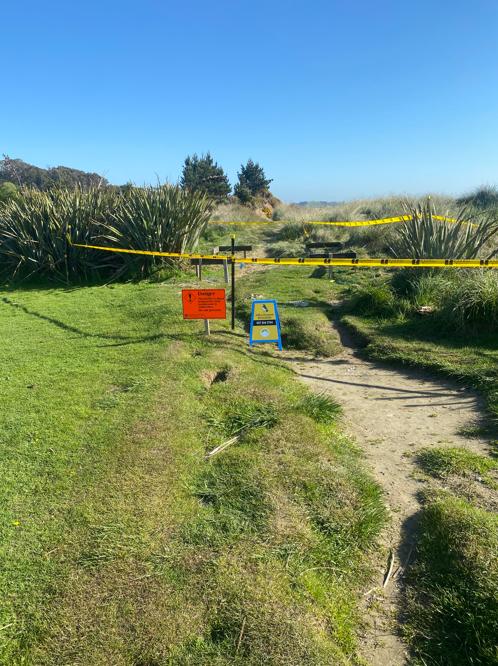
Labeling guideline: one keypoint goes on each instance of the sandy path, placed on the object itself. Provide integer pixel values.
(391, 413)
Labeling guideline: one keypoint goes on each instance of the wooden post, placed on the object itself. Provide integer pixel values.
(225, 270)
(233, 283)
(206, 327)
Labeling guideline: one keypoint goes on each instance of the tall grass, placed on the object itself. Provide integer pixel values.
(470, 303)
(360, 209)
(37, 230)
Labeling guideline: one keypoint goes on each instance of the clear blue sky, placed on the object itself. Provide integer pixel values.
(336, 99)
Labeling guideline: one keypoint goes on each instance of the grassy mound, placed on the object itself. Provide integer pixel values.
(453, 586)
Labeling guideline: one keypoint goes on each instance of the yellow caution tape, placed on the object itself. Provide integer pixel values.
(150, 253)
(357, 223)
(365, 223)
(373, 263)
(364, 263)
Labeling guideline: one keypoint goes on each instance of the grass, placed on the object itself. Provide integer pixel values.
(443, 462)
(121, 544)
(360, 209)
(452, 615)
(319, 407)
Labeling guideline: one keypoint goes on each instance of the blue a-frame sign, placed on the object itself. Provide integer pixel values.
(265, 323)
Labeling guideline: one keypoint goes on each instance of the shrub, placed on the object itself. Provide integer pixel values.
(426, 237)
(166, 218)
(483, 197)
(36, 229)
(278, 214)
(431, 289)
(285, 249)
(422, 286)
(376, 239)
(374, 299)
(292, 231)
(464, 300)
(7, 191)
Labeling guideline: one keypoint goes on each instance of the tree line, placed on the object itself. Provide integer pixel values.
(204, 174)
(22, 174)
(199, 174)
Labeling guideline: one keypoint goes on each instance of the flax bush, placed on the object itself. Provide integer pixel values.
(426, 237)
(37, 230)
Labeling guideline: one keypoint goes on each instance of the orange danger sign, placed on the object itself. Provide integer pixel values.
(204, 304)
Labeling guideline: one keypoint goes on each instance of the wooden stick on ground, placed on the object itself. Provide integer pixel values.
(390, 569)
(223, 446)
(241, 635)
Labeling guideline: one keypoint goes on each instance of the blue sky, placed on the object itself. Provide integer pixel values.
(336, 99)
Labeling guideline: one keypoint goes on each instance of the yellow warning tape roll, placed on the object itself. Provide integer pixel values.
(291, 261)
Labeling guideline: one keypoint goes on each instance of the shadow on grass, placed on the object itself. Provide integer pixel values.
(117, 340)
(71, 329)
(430, 331)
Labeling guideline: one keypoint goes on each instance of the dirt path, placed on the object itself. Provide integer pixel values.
(391, 413)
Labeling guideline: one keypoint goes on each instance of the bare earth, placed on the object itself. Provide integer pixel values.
(391, 413)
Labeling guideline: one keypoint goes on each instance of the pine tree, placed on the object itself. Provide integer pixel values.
(203, 173)
(252, 182)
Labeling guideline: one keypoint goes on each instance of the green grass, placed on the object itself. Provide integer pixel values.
(452, 593)
(121, 544)
(320, 407)
(443, 462)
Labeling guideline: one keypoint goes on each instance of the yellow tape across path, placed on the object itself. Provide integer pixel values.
(357, 223)
(364, 263)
